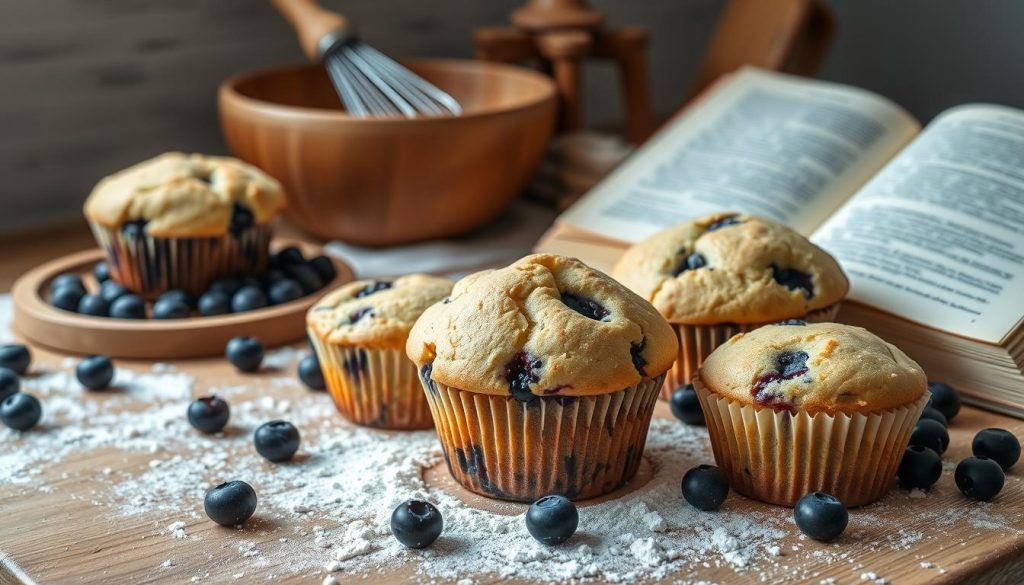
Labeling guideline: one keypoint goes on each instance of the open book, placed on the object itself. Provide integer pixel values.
(927, 223)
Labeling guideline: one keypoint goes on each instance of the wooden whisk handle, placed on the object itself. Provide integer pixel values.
(312, 23)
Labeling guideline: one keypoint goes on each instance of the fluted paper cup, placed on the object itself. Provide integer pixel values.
(374, 387)
(696, 342)
(778, 456)
(149, 266)
(576, 446)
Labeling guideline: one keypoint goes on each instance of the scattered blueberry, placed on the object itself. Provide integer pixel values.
(284, 291)
(945, 399)
(311, 374)
(179, 295)
(552, 520)
(15, 357)
(94, 306)
(520, 373)
(374, 287)
(931, 434)
(724, 222)
(245, 353)
(920, 468)
(304, 274)
(999, 445)
(67, 280)
(248, 298)
(979, 478)
(214, 302)
(271, 276)
(111, 291)
(228, 286)
(324, 266)
(705, 487)
(821, 516)
(128, 307)
(95, 372)
(794, 279)
(685, 405)
(586, 307)
(209, 414)
(289, 255)
(170, 308)
(231, 503)
(20, 411)
(10, 383)
(101, 271)
(277, 440)
(66, 298)
(934, 414)
(416, 524)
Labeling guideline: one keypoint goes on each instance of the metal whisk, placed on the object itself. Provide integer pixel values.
(368, 82)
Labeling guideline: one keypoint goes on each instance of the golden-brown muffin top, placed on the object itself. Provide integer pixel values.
(184, 195)
(731, 268)
(823, 367)
(375, 313)
(545, 325)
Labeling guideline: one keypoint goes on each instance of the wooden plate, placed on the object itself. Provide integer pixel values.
(150, 339)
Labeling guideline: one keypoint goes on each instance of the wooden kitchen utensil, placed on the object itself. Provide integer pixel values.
(44, 324)
(368, 82)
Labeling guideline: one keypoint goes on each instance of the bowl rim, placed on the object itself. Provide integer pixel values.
(228, 93)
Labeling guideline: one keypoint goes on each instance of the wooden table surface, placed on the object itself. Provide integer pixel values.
(68, 530)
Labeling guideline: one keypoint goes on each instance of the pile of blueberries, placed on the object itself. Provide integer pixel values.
(823, 516)
(290, 276)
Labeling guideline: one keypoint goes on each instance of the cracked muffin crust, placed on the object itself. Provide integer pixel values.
(731, 268)
(177, 195)
(375, 313)
(546, 325)
(824, 367)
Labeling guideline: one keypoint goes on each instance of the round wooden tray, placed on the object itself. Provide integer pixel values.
(62, 330)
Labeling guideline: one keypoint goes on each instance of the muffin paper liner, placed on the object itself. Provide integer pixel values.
(778, 457)
(576, 446)
(374, 387)
(149, 266)
(696, 342)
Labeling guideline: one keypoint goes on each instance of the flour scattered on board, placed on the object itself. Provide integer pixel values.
(346, 481)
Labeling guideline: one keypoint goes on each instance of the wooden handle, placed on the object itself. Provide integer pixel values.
(311, 22)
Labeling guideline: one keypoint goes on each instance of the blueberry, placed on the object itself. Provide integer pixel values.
(920, 468)
(725, 222)
(277, 440)
(821, 516)
(552, 520)
(170, 309)
(945, 399)
(214, 302)
(209, 414)
(999, 445)
(705, 487)
(792, 323)
(94, 306)
(228, 286)
(245, 353)
(416, 524)
(111, 291)
(101, 270)
(66, 298)
(520, 373)
(930, 413)
(179, 295)
(15, 357)
(931, 434)
(9, 383)
(374, 287)
(20, 411)
(305, 276)
(289, 255)
(794, 279)
(979, 478)
(231, 503)
(248, 298)
(134, 230)
(128, 307)
(693, 261)
(284, 291)
(586, 307)
(685, 405)
(324, 266)
(95, 372)
(241, 219)
(271, 276)
(67, 280)
(311, 374)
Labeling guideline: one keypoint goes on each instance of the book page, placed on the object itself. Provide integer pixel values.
(938, 236)
(779, 146)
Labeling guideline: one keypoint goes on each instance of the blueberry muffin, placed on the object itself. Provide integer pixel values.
(797, 408)
(722, 274)
(358, 332)
(180, 221)
(542, 378)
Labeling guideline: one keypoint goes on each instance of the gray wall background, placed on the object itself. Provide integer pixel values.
(90, 86)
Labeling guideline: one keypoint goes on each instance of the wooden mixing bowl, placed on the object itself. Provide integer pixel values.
(380, 181)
